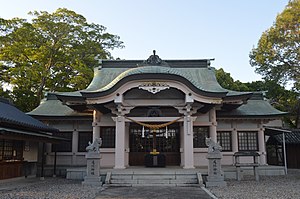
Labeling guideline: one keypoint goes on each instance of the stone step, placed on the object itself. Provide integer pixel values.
(123, 181)
(118, 185)
(151, 179)
(154, 181)
(153, 185)
(120, 176)
(152, 176)
(184, 181)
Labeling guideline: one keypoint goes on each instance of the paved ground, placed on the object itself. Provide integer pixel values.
(153, 192)
(62, 188)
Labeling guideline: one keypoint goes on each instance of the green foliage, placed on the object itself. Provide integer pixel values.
(278, 96)
(277, 55)
(54, 52)
(226, 81)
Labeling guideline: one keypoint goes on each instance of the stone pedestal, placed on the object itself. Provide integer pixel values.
(93, 169)
(215, 176)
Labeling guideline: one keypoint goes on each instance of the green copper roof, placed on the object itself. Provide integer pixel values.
(196, 74)
(253, 108)
(201, 78)
(51, 106)
(103, 77)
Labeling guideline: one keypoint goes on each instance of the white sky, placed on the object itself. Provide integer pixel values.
(190, 29)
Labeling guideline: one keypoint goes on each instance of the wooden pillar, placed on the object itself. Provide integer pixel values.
(75, 138)
(234, 139)
(262, 145)
(43, 162)
(188, 147)
(120, 143)
(188, 135)
(213, 126)
(96, 124)
(54, 165)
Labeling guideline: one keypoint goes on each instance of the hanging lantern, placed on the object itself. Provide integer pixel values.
(143, 132)
(167, 132)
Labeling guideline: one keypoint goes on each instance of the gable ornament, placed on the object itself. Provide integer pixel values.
(154, 87)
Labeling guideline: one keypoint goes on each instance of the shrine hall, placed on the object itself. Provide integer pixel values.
(155, 107)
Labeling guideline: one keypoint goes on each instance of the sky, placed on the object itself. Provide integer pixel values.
(192, 29)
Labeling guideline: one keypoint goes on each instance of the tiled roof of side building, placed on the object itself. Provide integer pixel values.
(51, 106)
(292, 137)
(256, 106)
(10, 116)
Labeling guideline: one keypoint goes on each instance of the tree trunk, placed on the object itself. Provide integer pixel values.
(41, 88)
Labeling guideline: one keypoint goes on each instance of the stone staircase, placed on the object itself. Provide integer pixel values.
(153, 178)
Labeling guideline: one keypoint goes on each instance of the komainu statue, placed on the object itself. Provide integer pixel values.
(95, 146)
(213, 147)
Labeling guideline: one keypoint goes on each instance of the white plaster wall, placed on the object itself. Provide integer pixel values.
(247, 159)
(71, 125)
(62, 158)
(275, 123)
(63, 125)
(247, 125)
(106, 120)
(32, 154)
(84, 125)
(108, 159)
(238, 124)
(202, 119)
(224, 124)
(227, 158)
(200, 159)
(80, 159)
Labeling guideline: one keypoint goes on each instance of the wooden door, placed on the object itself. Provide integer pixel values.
(168, 145)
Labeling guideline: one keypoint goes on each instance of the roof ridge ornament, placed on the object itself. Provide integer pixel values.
(154, 60)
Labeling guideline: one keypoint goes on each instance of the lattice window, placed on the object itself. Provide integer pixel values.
(11, 150)
(64, 146)
(224, 138)
(200, 133)
(83, 139)
(248, 141)
(108, 137)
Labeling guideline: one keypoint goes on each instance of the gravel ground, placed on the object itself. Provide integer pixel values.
(279, 187)
(51, 188)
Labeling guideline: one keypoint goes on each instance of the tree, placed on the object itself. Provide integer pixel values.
(53, 52)
(226, 81)
(279, 97)
(277, 55)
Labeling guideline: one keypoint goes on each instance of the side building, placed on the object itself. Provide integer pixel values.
(170, 107)
(21, 142)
